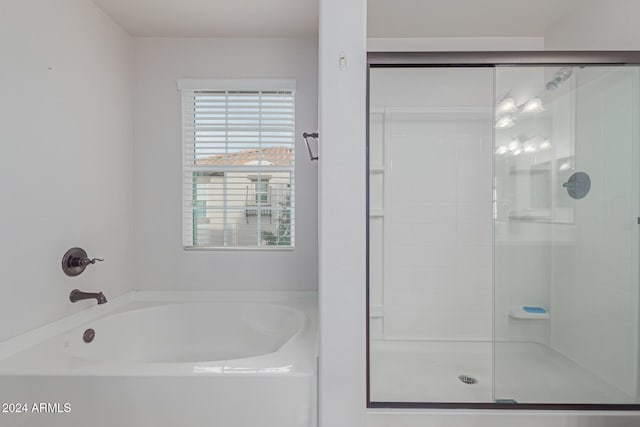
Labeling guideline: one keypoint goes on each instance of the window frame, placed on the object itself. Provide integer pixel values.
(262, 192)
(186, 86)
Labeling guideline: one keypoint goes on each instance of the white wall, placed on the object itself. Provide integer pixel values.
(162, 263)
(342, 196)
(451, 44)
(603, 25)
(65, 157)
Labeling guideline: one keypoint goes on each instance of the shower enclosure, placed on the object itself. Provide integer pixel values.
(503, 216)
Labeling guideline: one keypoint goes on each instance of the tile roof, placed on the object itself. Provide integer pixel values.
(279, 156)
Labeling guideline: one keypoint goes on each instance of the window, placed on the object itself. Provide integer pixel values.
(238, 169)
(262, 192)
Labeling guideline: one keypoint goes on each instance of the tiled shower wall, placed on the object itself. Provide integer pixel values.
(430, 193)
(595, 289)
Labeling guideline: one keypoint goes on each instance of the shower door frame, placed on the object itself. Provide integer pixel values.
(488, 60)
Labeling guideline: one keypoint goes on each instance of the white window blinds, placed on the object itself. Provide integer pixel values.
(238, 167)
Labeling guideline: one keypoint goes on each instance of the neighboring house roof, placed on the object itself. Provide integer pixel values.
(279, 156)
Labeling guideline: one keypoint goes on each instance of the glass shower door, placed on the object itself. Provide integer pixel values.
(503, 235)
(430, 181)
(566, 235)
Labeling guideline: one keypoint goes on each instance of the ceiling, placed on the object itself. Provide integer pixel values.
(466, 18)
(214, 18)
(299, 18)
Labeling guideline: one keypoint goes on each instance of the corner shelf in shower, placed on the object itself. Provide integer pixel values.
(519, 312)
(376, 312)
(376, 170)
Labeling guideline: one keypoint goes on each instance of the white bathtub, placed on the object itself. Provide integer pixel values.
(170, 359)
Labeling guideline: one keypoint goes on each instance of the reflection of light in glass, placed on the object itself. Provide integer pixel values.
(534, 105)
(504, 122)
(514, 144)
(276, 370)
(516, 151)
(207, 369)
(565, 166)
(544, 145)
(530, 148)
(241, 370)
(507, 105)
(502, 150)
(235, 370)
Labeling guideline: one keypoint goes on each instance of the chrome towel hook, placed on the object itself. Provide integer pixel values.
(306, 137)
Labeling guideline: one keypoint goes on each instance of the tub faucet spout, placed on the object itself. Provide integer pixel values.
(77, 295)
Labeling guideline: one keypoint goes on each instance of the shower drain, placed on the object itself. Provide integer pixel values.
(467, 379)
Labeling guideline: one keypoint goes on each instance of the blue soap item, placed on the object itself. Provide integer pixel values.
(538, 310)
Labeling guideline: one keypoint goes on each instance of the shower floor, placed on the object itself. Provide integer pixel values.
(421, 371)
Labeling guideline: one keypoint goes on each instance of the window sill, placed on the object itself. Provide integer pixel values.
(239, 249)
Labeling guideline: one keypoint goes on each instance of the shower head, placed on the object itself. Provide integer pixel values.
(562, 75)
